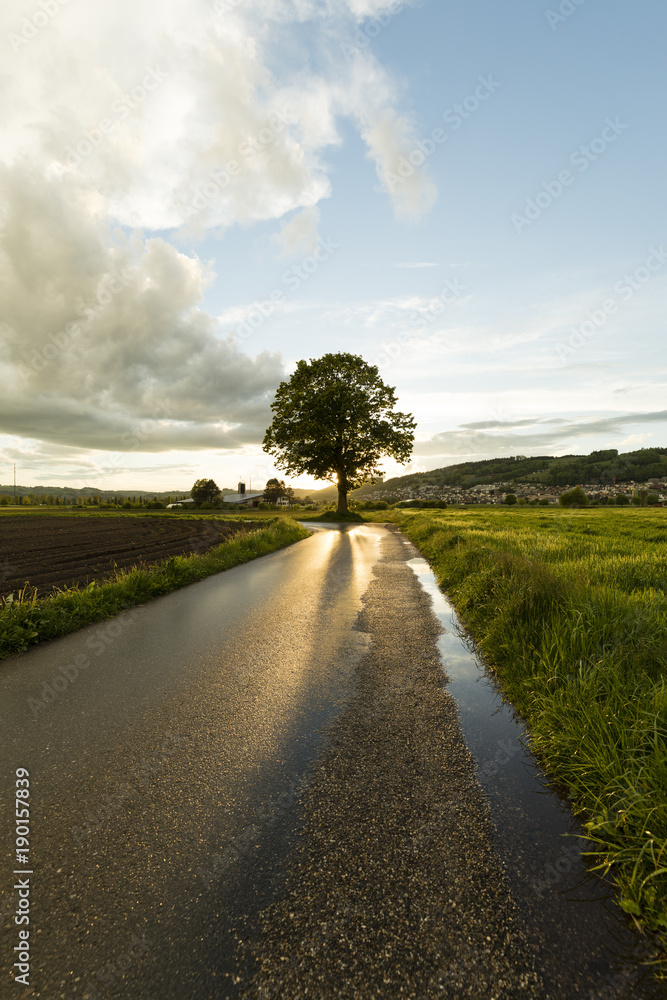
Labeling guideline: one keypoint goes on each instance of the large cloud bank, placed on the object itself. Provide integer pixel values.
(126, 121)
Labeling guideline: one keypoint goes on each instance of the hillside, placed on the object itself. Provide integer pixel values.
(598, 467)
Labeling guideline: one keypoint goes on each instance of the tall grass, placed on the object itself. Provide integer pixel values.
(25, 619)
(570, 609)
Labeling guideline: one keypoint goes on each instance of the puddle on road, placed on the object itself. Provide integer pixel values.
(581, 941)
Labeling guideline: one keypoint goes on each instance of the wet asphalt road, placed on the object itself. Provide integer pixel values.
(166, 763)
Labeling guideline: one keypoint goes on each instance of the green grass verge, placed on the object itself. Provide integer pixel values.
(569, 608)
(27, 620)
(332, 517)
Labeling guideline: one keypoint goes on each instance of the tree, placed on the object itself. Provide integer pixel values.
(643, 497)
(510, 499)
(274, 489)
(573, 498)
(205, 490)
(334, 419)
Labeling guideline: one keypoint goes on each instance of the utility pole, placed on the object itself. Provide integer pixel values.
(14, 482)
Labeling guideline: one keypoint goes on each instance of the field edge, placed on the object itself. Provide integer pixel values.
(28, 620)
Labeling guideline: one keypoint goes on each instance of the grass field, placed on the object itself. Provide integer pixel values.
(569, 608)
(26, 619)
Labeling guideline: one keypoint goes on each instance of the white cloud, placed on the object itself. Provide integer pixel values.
(123, 119)
(393, 145)
(634, 441)
(300, 234)
(169, 114)
(102, 331)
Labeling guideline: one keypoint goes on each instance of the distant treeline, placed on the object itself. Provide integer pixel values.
(72, 493)
(108, 503)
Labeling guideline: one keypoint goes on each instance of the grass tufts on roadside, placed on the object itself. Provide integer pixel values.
(26, 619)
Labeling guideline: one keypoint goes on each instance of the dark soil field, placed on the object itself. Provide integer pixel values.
(48, 552)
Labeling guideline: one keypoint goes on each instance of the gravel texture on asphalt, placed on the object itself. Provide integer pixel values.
(395, 889)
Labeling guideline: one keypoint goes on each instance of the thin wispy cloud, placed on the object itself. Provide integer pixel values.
(415, 264)
(474, 439)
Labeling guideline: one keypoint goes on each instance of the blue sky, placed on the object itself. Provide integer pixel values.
(195, 196)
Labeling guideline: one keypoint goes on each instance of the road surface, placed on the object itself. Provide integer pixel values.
(182, 760)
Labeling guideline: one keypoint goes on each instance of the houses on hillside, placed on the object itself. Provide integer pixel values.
(495, 493)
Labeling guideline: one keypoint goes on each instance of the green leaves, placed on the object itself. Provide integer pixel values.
(335, 419)
(205, 491)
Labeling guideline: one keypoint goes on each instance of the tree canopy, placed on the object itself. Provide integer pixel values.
(334, 419)
(205, 490)
(274, 490)
(573, 498)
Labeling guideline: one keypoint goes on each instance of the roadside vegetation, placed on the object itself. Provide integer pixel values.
(332, 517)
(569, 608)
(26, 619)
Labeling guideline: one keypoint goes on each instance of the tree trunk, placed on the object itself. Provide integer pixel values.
(342, 493)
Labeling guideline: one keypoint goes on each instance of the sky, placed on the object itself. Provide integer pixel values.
(197, 194)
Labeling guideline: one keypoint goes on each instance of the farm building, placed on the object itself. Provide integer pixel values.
(247, 499)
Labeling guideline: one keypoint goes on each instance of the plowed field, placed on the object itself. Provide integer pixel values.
(49, 552)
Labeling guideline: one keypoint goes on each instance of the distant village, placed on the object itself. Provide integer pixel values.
(495, 493)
